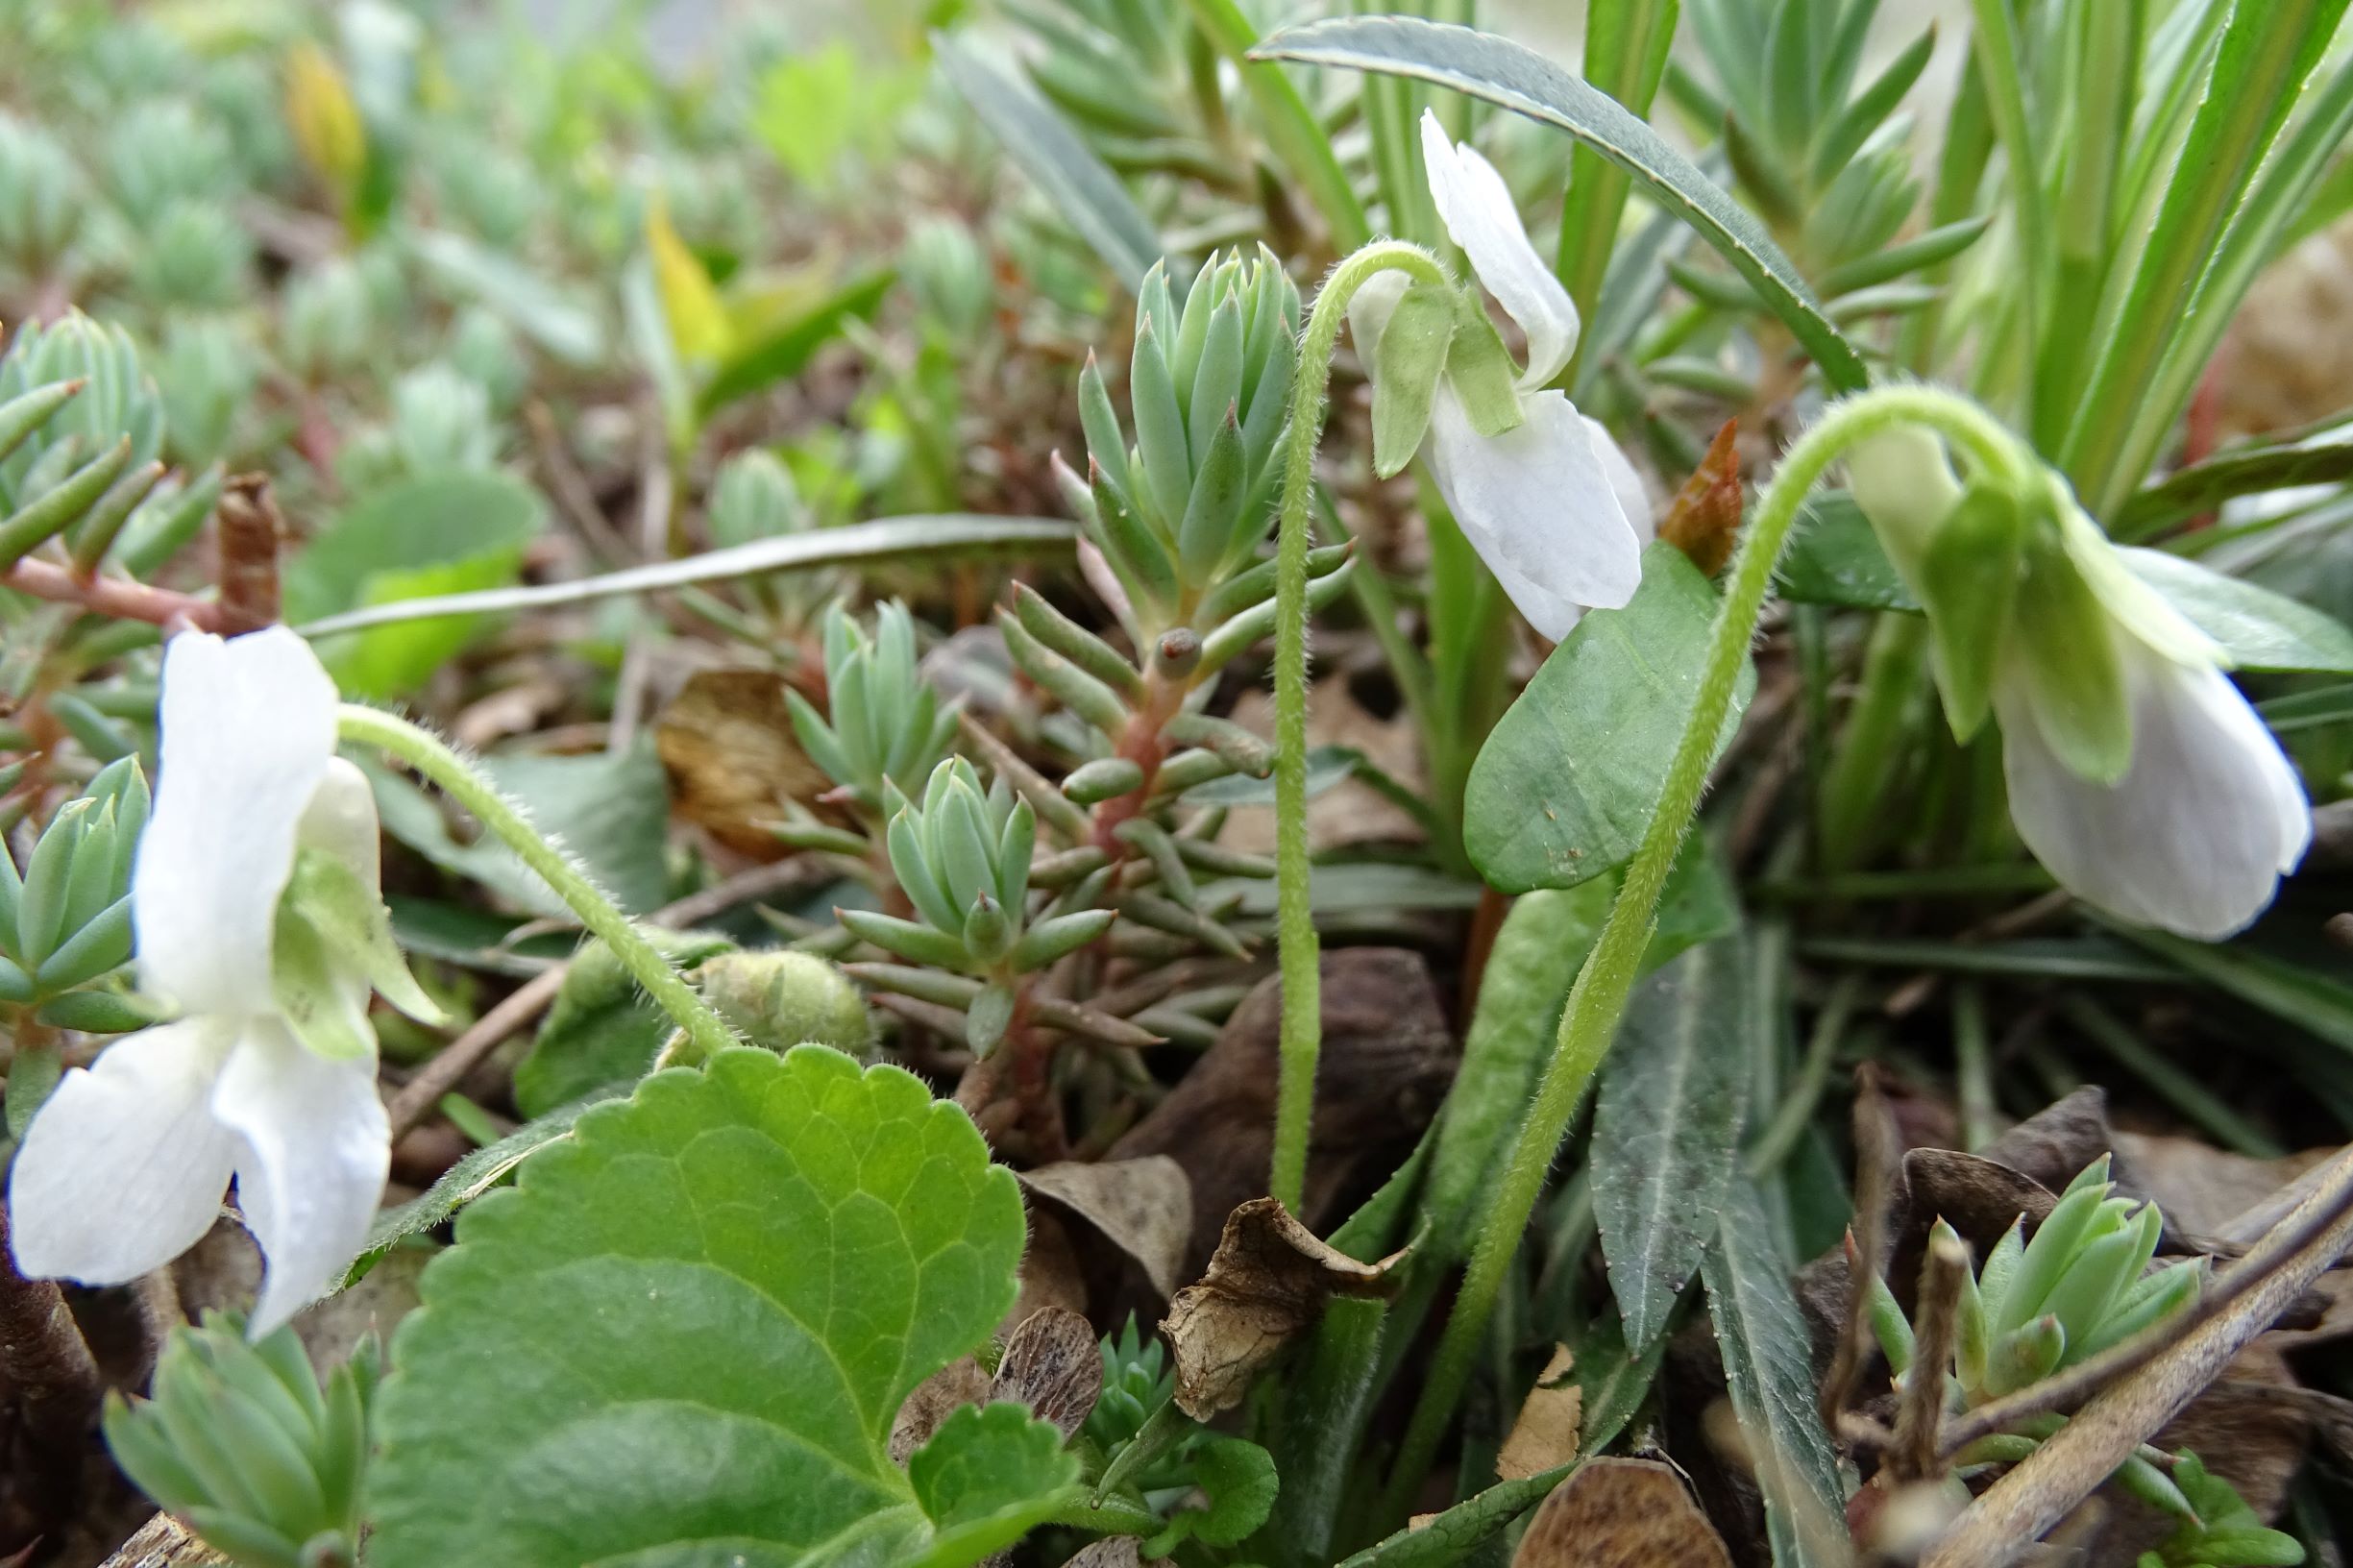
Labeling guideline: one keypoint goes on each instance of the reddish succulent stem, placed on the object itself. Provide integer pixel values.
(112, 597)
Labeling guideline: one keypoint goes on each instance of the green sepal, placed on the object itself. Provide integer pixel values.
(350, 920)
(1408, 360)
(317, 995)
(1057, 937)
(987, 1019)
(1969, 584)
(2070, 659)
(916, 943)
(1480, 371)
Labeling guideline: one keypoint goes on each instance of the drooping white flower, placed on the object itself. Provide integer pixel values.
(2193, 833)
(1553, 506)
(255, 905)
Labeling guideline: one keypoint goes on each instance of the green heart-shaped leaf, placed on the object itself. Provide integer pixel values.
(683, 1336)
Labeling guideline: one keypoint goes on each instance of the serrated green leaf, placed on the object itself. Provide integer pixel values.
(1666, 1129)
(602, 1029)
(1239, 1479)
(1568, 779)
(987, 1475)
(751, 1266)
(1520, 80)
(1407, 362)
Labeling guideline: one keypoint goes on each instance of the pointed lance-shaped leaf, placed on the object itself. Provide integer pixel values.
(910, 940)
(48, 514)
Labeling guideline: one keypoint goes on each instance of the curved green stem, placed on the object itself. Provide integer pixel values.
(429, 755)
(1598, 999)
(1294, 920)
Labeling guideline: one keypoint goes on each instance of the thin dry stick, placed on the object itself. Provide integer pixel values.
(424, 1090)
(1877, 1149)
(2049, 1482)
(50, 1371)
(2296, 1230)
(1943, 1274)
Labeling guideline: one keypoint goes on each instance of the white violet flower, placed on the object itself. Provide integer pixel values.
(254, 904)
(2192, 833)
(1553, 506)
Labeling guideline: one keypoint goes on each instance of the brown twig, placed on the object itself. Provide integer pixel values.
(1877, 1149)
(570, 489)
(55, 1381)
(1943, 1274)
(2045, 1487)
(448, 1068)
(113, 596)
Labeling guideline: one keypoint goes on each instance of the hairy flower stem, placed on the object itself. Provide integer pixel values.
(1598, 999)
(428, 756)
(1302, 1033)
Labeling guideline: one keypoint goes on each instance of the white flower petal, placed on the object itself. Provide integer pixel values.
(1370, 307)
(1476, 208)
(341, 821)
(249, 726)
(1539, 500)
(2195, 835)
(1625, 482)
(124, 1167)
(317, 1147)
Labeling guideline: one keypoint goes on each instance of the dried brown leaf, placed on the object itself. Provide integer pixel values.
(728, 742)
(1143, 1206)
(961, 1381)
(1387, 1059)
(1621, 1513)
(1051, 1273)
(1052, 1365)
(1267, 1282)
(1544, 1436)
